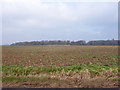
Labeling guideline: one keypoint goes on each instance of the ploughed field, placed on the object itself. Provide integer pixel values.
(60, 66)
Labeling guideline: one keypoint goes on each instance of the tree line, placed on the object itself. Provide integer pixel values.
(60, 42)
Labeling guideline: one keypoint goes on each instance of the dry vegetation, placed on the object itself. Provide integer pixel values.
(60, 66)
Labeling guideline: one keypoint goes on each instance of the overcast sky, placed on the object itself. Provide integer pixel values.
(28, 21)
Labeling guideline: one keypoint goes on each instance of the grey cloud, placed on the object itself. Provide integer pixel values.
(62, 21)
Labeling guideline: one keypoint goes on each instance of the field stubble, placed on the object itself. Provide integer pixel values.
(53, 66)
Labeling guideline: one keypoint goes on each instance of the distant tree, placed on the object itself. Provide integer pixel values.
(59, 42)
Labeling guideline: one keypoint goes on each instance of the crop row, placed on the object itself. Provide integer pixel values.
(14, 70)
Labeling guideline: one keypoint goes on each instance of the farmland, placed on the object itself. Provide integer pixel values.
(60, 66)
